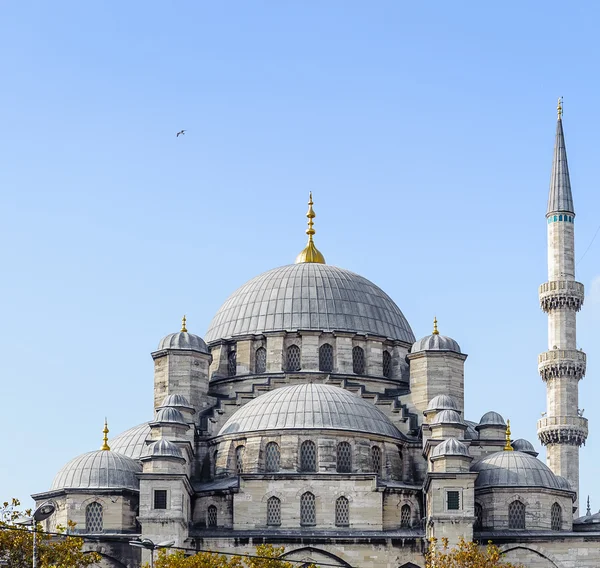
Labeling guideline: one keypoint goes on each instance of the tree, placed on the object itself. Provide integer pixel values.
(465, 555)
(266, 556)
(16, 543)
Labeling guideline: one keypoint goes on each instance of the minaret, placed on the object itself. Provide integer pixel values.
(562, 430)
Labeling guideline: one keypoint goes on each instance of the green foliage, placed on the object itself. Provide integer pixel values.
(465, 555)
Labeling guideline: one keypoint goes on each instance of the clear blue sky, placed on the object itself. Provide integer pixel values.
(424, 129)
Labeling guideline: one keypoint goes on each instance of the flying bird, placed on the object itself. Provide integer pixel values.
(180, 132)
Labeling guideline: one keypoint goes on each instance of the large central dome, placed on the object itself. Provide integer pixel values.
(309, 296)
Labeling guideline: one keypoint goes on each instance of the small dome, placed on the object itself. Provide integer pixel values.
(492, 419)
(442, 402)
(132, 443)
(170, 414)
(310, 406)
(183, 340)
(176, 401)
(524, 446)
(435, 342)
(471, 433)
(514, 469)
(164, 448)
(101, 469)
(447, 417)
(450, 447)
(564, 482)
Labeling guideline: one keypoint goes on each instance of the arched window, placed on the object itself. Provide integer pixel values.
(358, 360)
(261, 360)
(308, 456)
(273, 512)
(516, 515)
(376, 460)
(93, 517)
(344, 458)
(308, 516)
(231, 364)
(293, 358)
(405, 517)
(342, 512)
(211, 516)
(214, 464)
(387, 364)
(556, 517)
(478, 517)
(272, 457)
(326, 358)
(239, 459)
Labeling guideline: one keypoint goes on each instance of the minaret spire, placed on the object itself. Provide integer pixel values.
(310, 252)
(560, 199)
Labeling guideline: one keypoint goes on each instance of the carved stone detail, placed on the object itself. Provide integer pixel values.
(561, 294)
(559, 363)
(571, 430)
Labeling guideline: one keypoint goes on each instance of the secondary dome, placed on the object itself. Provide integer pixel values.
(442, 402)
(101, 469)
(514, 469)
(132, 443)
(310, 406)
(309, 296)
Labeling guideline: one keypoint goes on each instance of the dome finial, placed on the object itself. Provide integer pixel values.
(310, 252)
(589, 511)
(183, 322)
(559, 108)
(508, 447)
(435, 329)
(105, 445)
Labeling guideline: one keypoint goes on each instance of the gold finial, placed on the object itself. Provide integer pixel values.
(310, 252)
(435, 329)
(183, 328)
(508, 447)
(559, 108)
(105, 445)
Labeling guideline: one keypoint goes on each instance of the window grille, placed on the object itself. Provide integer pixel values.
(478, 517)
(405, 517)
(516, 515)
(342, 512)
(387, 364)
(376, 460)
(293, 358)
(326, 358)
(308, 456)
(239, 459)
(358, 360)
(93, 517)
(261, 360)
(344, 458)
(160, 498)
(232, 364)
(556, 517)
(273, 512)
(308, 515)
(272, 457)
(453, 500)
(211, 516)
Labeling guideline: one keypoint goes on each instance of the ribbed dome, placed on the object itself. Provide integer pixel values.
(183, 340)
(492, 419)
(132, 442)
(514, 469)
(435, 342)
(176, 401)
(442, 402)
(450, 447)
(310, 406)
(524, 446)
(169, 414)
(447, 417)
(309, 296)
(166, 449)
(100, 469)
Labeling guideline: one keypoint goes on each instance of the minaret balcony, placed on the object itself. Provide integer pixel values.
(559, 363)
(561, 294)
(570, 430)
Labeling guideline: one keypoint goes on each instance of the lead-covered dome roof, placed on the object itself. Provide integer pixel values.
(183, 340)
(132, 443)
(309, 296)
(310, 406)
(101, 469)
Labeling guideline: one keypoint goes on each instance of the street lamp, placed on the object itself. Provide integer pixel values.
(40, 514)
(149, 545)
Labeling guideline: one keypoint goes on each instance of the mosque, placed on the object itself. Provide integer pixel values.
(310, 417)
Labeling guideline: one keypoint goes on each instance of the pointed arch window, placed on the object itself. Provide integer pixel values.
(556, 517)
(308, 456)
(387, 364)
(293, 358)
(516, 515)
(232, 364)
(376, 460)
(405, 517)
(211, 516)
(261, 360)
(272, 456)
(239, 459)
(358, 360)
(94, 517)
(344, 458)
(478, 517)
(273, 512)
(342, 512)
(326, 358)
(308, 515)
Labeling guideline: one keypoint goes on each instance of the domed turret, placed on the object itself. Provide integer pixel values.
(435, 342)
(447, 417)
(450, 447)
(170, 415)
(524, 446)
(165, 449)
(442, 402)
(492, 419)
(183, 340)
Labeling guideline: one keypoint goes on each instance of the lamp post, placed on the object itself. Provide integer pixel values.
(41, 513)
(149, 545)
